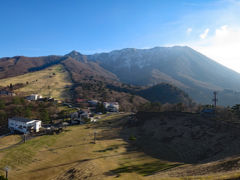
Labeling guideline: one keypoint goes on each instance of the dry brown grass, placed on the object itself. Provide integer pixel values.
(9, 141)
(72, 155)
(51, 82)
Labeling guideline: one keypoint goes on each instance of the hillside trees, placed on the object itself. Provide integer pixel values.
(100, 108)
(44, 116)
(3, 115)
(18, 100)
(18, 106)
(179, 107)
(65, 114)
(28, 112)
(3, 178)
(2, 104)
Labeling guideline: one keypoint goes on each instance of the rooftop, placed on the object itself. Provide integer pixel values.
(21, 119)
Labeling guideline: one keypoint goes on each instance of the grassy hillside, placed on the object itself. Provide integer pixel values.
(73, 155)
(86, 80)
(51, 82)
(18, 65)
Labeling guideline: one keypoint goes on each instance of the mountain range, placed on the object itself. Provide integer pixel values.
(183, 67)
(180, 66)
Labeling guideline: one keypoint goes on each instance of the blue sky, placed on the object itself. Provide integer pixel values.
(43, 27)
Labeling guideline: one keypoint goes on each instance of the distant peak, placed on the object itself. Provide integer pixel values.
(73, 53)
(77, 56)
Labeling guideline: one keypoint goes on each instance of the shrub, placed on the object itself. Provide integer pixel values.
(132, 138)
(3, 178)
(2, 104)
(3, 115)
(44, 116)
(18, 100)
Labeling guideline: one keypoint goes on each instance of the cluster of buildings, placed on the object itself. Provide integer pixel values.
(109, 106)
(25, 125)
(37, 97)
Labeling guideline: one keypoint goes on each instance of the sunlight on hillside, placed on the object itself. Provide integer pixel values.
(73, 154)
(51, 82)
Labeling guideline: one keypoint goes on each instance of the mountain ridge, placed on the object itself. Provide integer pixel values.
(183, 67)
(180, 66)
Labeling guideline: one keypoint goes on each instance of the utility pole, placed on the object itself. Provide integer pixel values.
(6, 170)
(24, 137)
(215, 99)
(95, 135)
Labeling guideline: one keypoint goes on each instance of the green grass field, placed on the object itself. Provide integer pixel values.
(73, 155)
(51, 82)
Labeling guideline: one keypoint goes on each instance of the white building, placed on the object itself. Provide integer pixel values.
(106, 104)
(93, 102)
(24, 125)
(111, 106)
(34, 97)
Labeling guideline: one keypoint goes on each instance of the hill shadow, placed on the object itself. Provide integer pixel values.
(175, 137)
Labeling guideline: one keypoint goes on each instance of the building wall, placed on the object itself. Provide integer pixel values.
(23, 126)
(17, 125)
(38, 125)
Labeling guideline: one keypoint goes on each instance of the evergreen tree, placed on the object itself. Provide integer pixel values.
(3, 178)
(44, 116)
(2, 104)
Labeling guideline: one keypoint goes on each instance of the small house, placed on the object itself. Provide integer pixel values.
(111, 106)
(34, 97)
(93, 102)
(7, 93)
(24, 125)
(80, 116)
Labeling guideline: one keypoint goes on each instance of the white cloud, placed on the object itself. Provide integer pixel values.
(189, 30)
(223, 46)
(204, 34)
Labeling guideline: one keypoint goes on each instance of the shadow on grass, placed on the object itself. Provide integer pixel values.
(111, 148)
(65, 147)
(77, 162)
(145, 169)
(235, 178)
